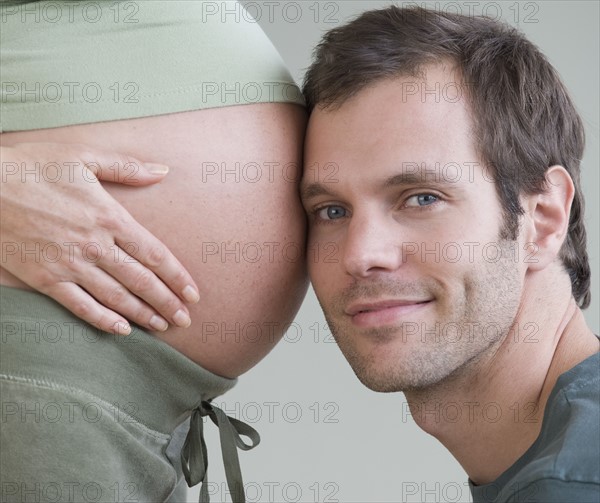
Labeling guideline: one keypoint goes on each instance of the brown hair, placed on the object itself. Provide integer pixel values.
(524, 119)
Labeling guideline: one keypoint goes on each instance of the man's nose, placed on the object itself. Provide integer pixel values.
(372, 244)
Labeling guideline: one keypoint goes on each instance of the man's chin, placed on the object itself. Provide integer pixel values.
(380, 386)
(378, 381)
(390, 385)
(384, 379)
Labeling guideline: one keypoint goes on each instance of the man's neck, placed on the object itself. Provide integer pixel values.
(490, 412)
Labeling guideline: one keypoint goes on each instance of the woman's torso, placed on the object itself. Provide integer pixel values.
(228, 209)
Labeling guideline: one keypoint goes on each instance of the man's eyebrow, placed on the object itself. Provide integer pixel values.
(313, 190)
(403, 179)
(429, 176)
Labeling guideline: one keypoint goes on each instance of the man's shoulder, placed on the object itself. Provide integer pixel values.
(549, 490)
(564, 462)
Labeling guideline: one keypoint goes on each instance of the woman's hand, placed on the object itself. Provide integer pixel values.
(62, 234)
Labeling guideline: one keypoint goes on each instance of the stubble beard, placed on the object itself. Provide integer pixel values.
(484, 310)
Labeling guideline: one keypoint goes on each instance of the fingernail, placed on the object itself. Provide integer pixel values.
(156, 169)
(122, 328)
(158, 323)
(181, 319)
(190, 294)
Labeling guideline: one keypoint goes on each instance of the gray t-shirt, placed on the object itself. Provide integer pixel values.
(563, 464)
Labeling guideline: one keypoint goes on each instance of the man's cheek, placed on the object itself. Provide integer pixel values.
(313, 264)
(320, 275)
(324, 279)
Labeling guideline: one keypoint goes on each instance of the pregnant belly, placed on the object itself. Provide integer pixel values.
(228, 209)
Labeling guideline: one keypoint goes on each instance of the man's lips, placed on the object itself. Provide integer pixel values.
(381, 305)
(383, 312)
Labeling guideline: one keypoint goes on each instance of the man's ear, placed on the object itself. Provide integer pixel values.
(547, 217)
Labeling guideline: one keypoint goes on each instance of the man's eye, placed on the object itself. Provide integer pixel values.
(421, 200)
(331, 213)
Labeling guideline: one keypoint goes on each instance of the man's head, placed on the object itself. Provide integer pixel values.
(428, 133)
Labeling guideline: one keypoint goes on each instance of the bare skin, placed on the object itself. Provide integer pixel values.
(238, 229)
(489, 388)
(61, 231)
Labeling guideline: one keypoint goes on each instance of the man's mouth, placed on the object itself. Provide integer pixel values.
(384, 312)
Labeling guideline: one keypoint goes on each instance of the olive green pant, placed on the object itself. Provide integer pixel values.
(88, 416)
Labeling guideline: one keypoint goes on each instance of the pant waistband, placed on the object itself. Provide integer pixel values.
(43, 343)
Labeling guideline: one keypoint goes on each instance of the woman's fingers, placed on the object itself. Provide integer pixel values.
(114, 167)
(142, 282)
(116, 297)
(86, 230)
(84, 306)
(146, 249)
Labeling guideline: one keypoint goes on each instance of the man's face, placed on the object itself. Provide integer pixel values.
(404, 251)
